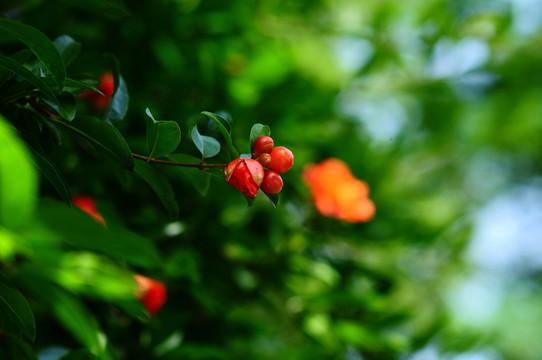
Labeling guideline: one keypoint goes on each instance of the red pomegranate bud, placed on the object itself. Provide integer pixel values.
(246, 175)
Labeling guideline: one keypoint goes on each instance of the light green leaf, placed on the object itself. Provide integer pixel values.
(224, 127)
(18, 310)
(207, 146)
(163, 137)
(103, 135)
(160, 185)
(40, 45)
(18, 179)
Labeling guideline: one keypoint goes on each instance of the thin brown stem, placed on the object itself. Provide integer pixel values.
(173, 163)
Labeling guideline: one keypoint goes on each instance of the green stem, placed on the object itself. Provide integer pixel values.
(173, 163)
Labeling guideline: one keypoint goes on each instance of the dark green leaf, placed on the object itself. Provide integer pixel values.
(13, 66)
(115, 69)
(18, 179)
(21, 57)
(119, 103)
(224, 127)
(80, 354)
(80, 231)
(207, 146)
(103, 135)
(40, 45)
(18, 310)
(200, 179)
(65, 105)
(274, 198)
(163, 137)
(74, 86)
(257, 131)
(52, 174)
(68, 48)
(160, 185)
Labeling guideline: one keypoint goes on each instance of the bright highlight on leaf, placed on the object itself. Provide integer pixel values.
(337, 193)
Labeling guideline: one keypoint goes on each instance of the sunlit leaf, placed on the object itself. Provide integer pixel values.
(18, 180)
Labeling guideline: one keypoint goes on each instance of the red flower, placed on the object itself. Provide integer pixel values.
(86, 203)
(107, 87)
(151, 293)
(246, 175)
(337, 193)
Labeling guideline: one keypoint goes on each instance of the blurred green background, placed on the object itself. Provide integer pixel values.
(436, 104)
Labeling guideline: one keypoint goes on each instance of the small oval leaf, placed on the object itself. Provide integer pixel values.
(163, 137)
(207, 145)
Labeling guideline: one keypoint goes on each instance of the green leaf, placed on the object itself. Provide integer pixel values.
(75, 318)
(119, 103)
(18, 179)
(200, 179)
(75, 86)
(21, 57)
(13, 66)
(80, 354)
(40, 45)
(80, 231)
(65, 105)
(257, 131)
(207, 146)
(160, 185)
(103, 135)
(163, 137)
(274, 198)
(224, 127)
(18, 310)
(53, 175)
(68, 48)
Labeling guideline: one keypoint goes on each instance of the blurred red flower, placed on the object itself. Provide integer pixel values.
(87, 204)
(337, 193)
(152, 293)
(107, 87)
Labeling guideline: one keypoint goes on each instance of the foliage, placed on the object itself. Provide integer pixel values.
(418, 98)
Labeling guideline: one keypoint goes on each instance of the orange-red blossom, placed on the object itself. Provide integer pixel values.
(337, 193)
(152, 293)
(87, 204)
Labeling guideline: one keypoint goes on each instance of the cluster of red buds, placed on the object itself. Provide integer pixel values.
(262, 170)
